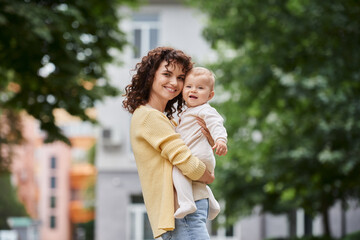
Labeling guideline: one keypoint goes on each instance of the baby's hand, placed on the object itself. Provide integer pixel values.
(221, 148)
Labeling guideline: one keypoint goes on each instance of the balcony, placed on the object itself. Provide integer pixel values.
(82, 180)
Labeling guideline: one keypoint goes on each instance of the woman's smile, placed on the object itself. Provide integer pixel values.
(170, 89)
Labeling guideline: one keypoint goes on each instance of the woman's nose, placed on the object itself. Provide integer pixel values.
(173, 81)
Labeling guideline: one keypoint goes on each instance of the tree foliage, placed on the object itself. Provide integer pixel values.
(10, 206)
(10, 134)
(291, 72)
(53, 55)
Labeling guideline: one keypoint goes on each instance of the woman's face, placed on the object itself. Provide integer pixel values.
(168, 83)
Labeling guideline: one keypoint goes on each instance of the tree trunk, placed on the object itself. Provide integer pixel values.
(326, 226)
(262, 226)
(343, 218)
(292, 223)
(307, 225)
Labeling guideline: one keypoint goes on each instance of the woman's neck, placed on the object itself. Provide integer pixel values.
(156, 105)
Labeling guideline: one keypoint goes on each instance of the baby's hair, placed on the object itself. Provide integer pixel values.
(198, 71)
(137, 93)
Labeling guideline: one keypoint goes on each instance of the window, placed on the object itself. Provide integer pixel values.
(139, 220)
(106, 133)
(53, 182)
(52, 222)
(53, 162)
(147, 227)
(53, 202)
(229, 232)
(137, 199)
(221, 231)
(145, 33)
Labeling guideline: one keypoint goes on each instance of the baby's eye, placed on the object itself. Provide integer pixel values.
(201, 88)
(188, 86)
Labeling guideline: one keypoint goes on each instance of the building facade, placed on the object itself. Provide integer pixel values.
(23, 168)
(120, 211)
(51, 178)
(64, 174)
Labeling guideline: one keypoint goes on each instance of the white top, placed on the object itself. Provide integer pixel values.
(190, 132)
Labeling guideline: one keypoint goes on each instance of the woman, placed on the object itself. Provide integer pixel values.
(155, 89)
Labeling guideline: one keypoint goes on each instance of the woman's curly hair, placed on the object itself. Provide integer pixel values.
(138, 92)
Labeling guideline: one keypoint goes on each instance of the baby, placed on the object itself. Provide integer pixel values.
(198, 90)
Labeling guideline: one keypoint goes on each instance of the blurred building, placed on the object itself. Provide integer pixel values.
(24, 176)
(120, 211)
(52, 178)
(81, 176)
(24, 167)
(24, 228)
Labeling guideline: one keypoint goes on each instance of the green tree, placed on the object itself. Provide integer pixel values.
(291, 71)
(10, 206)
(53, 54)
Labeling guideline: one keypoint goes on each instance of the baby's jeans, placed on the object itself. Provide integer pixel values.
(192, 226)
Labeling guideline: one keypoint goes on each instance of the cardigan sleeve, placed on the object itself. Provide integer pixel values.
(160, 134)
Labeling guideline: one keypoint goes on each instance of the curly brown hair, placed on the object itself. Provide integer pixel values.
(138, 91)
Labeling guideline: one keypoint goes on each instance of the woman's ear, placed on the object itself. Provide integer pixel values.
(211, 95)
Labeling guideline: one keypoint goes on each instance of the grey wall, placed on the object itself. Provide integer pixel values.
(113, 192)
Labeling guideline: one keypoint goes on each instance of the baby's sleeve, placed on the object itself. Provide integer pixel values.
(215, 123)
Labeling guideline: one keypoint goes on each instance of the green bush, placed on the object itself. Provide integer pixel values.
(10, 205)
(309, 238)
(352, 236)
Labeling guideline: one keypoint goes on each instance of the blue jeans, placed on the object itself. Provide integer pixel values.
(192, 226)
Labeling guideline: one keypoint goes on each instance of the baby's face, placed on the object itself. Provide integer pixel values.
(197, 90)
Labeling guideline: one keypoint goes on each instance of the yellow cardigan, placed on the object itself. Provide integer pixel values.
(157, 147)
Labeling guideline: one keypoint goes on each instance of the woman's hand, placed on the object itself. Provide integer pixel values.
(205, 131)
(207, 177)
